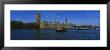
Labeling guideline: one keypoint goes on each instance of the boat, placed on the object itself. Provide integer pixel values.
(60, 30)
(82, 29)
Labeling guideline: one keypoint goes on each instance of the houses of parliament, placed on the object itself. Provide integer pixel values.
(55, 24)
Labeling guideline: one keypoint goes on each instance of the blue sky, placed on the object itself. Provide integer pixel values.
(85, 17)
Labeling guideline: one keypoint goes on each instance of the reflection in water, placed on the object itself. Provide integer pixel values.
(51, 34)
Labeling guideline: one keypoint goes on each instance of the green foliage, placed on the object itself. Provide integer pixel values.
(19, 25)
(16, 24)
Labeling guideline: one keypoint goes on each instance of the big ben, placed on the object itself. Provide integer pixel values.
(38, 20)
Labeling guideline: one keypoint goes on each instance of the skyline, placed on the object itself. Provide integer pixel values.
(83, 17)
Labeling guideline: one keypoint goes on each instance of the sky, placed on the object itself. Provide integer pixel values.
(83, 17)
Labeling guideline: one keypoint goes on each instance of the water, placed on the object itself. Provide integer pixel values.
(51, 34)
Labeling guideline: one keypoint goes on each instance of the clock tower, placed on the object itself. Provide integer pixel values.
(38, 20)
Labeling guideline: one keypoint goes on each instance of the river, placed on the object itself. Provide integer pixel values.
(51, 34)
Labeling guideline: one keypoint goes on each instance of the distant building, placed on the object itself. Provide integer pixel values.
(56, 24)
(66, 20)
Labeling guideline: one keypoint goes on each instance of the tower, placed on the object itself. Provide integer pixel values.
(66, 24)
(38, 20)
(66, 21)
